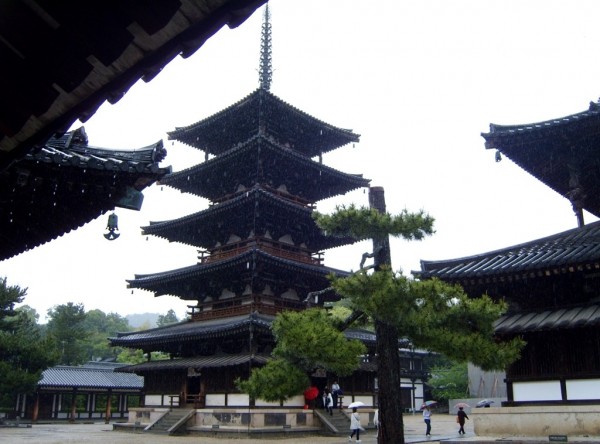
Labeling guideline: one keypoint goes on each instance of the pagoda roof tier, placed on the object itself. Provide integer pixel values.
(257, 211)
(575, 249)
(189, 332)
(68, 183)
(260, 160)
(210, 278)
(261, 112)
(563, 153)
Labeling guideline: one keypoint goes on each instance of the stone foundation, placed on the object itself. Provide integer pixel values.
(537, 421)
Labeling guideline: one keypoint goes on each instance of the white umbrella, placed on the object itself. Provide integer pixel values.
(356, 404)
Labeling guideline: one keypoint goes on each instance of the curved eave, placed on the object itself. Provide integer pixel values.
(305, 133)
(585, 119)
(192, 331)
(586, 316)
(238, 215)
(302, 176)
(52, 192)
(184, 282)
(579, 247)
(561, 153)
(63, 60)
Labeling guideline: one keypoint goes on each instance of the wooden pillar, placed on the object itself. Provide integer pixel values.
(108, 413)
(73, 406)
(36, 408)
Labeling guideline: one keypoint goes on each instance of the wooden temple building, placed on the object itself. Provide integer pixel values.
(92, 391)
(260, 252)
(552, 284)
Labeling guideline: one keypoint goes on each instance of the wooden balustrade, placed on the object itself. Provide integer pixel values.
(247, 305)
(270, 246)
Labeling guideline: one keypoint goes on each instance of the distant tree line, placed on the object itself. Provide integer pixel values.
(72, 336)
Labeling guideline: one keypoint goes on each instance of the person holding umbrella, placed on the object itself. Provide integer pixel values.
(355, 425)
(461, 416)
(427, 420)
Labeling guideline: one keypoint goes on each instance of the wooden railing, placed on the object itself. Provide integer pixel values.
(270, 246)
(240, 306)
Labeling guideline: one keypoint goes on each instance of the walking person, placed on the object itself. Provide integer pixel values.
(355, 425)
(335, 391)
(427, 420)
(329, 402)
(461, 416)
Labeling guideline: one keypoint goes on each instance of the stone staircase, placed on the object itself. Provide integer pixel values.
(171, 423)
(338, 424)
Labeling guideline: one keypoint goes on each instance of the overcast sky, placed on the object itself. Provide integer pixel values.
(418, 80)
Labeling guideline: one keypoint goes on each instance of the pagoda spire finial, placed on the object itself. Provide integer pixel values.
(265, 73)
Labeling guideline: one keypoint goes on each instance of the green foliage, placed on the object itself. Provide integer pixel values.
(434, 315)
(99, 327)
(276, 381)
(67, 327)
(306, 341)
(169, 318)
(24, 353)
(450, 381)
(364, 223)
(309, 340)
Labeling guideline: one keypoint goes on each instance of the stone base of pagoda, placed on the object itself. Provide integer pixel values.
(224, 422)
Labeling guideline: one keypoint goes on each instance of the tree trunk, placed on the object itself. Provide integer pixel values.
(391, 424)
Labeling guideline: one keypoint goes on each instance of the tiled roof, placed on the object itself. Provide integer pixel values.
(67, 184)
(193, 330)
(562, 153)
(221, 131)
(509, 130)
(198, 362)
(219, 221)
(180, 282)
(577, 317)
(62, 60)
(278, 165)
(91, 377)
(579, 247)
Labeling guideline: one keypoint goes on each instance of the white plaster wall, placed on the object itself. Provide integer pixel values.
(150, 400)
(215, 400)
(238, 399)
(583, 389)
(537, 391)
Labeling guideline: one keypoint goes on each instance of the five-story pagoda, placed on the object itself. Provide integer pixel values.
(260, 249)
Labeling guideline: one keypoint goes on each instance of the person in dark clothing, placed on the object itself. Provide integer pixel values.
(462, 416)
